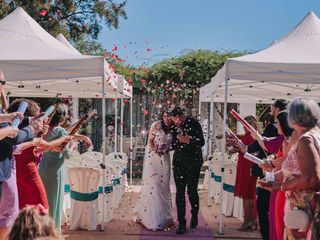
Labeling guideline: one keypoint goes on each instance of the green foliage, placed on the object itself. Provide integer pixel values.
(195, 66)
(175, 79)
(79, 20)
(179, 76)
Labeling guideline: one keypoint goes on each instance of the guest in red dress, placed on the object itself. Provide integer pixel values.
(31, 190)
(245, 185)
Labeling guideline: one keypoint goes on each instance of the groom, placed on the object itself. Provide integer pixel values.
(187, 161)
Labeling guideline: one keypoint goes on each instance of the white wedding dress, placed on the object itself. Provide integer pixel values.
(154, 207)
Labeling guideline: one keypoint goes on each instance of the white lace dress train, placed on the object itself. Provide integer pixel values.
(154, 206)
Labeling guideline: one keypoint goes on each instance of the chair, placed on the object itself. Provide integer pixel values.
(84, 198)
(94, 160)
(119, 182)
(121, 159)
(215, 176)
(228, 188)
(119, 162)
(238, 208)
(110, 198)
(75, 160)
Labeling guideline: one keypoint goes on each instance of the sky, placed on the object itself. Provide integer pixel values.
(159, 29)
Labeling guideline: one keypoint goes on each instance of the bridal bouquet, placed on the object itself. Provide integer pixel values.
(161, 149)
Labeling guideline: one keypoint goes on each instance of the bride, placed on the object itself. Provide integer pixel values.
(154, 209)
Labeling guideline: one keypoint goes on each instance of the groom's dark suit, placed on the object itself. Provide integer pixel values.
(187, 162)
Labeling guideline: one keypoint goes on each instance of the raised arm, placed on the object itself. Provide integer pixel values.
(6, 118)
(8, 131)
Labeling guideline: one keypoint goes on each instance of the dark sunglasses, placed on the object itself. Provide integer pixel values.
(2, 82)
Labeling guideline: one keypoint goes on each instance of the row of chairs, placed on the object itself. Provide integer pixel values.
(231, 205)
(85, 190)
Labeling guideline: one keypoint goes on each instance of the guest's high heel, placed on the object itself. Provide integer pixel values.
(255, 226)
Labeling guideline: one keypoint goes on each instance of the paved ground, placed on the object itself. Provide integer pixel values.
(122, 226)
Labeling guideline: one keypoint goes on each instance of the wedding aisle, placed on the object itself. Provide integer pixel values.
(201, 232)
(123, 228)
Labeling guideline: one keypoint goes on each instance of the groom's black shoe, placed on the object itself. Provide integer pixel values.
(181, 229)
(194, 222)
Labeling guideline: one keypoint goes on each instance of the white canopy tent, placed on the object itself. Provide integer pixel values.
(286, 69)
(35, 64)
(289, 68)
(125, 88)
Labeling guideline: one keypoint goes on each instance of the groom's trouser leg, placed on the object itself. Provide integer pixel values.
(180, 181)
(192, 186)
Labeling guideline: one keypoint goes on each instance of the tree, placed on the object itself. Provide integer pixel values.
(193, 67)
(178, 77)
(79, 20)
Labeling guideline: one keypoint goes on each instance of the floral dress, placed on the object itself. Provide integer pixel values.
(305, 200)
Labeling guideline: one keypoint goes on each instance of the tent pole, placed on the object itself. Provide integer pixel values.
(131, 138)
(210, 137)
(103, 146)
(121, 123)
(116, 120)
(75, 109)
(223, 153)
(211, 124)
(199, 112)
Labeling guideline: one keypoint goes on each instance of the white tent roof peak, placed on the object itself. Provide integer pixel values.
(22, 38)
(61, 38)
(36, 64)
(114, 78)
(301, 45)
(309, 25)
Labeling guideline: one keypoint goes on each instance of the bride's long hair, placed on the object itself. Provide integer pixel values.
(165, 128)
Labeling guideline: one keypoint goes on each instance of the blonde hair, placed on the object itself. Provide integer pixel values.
(31, 224)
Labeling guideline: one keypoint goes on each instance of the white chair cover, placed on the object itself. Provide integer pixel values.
(228, 188)
(206, 179)
(95, 159)
(238, 208)
(92, 160)
(84, 198)
(118, 181)
(231, 206)
(76, 160)
(110, 197)
(124, 158)
(215, 176)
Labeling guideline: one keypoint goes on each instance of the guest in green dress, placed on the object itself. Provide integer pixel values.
(52, 169)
